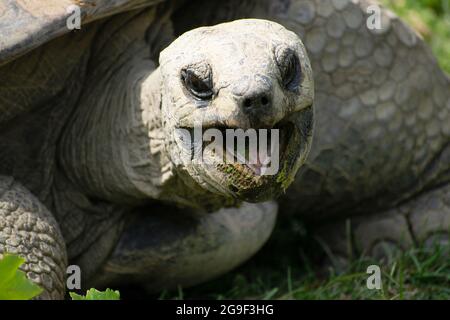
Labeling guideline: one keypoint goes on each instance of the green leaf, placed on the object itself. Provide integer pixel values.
(94, 294)
(14, 285)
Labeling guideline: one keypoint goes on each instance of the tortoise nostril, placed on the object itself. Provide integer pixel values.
(247, 103)
(264, 100)
(256, 101)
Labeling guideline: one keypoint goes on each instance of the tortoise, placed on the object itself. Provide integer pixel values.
(95, 170)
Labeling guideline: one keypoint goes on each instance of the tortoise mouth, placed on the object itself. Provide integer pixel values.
(267, 151)
(253, 172)
(258, 182)
(250, 152)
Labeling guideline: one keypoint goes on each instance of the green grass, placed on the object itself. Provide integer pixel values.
(284, 270)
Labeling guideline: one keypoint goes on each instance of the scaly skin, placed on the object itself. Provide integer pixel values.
(146, 162)
(27, 228)
(101, 151)
(381, 139)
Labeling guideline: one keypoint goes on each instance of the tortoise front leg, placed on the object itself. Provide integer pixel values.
(166, 248)
(28, 229)
(423, 221)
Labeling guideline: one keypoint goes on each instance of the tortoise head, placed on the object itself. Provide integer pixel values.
(237, 107)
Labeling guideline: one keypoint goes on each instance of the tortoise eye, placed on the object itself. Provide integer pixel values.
(200, 88)
(290, 70)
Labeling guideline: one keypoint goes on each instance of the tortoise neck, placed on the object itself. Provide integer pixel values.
(113, 148)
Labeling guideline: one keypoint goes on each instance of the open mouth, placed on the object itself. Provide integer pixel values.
(253, 152)
(252, 164)
(256, 164)
(257, 181)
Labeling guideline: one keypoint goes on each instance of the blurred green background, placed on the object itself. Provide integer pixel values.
(431, 18)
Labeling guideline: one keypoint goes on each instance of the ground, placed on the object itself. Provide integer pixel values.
(287, 267)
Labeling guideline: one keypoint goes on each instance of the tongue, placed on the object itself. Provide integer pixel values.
(258, 162)
(262, 160)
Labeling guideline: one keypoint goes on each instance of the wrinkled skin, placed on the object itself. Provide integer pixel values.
(250, 73)
(115, 152)
(93, 145)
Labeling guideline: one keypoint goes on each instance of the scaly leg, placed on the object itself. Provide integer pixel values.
(423, 221)
(28, 229)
